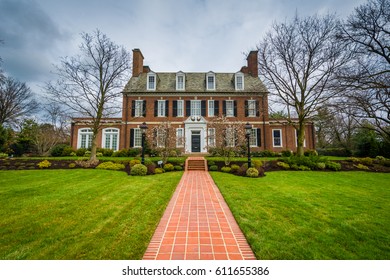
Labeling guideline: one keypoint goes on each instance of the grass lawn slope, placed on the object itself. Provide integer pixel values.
(312, 215)
(80, 214)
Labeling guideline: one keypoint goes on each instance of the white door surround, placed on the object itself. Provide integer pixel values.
(195, 126)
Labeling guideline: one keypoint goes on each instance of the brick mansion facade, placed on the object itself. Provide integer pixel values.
(189, 102)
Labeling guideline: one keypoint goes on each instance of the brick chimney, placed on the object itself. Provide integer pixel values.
(138, 62)
(253, 67)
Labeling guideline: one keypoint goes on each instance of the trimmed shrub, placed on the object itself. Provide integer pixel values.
(209, 163)
(133, 152)
(120, 153)
(134, 162)
(243, 169)
(234, 168)
(87, 163)
(226, 169)
(213, 168)
(57, 150)
(73, 154)
(3, 155)
(333, 165)
(178, 168)
(252, 172)
(44, 164)
(105, 152)
(257, 163)
(72, 165)
(367, 161)
(311, 153)
(158, 170)
(139, 170)
(108, 165)
(99, 154)
(80, 152)
(287, 153)
(168, 167)
(303, 168)
(67, 151)
(361, 166)
(321, 165)
(283, 165)
(151, 167)
(87, 153)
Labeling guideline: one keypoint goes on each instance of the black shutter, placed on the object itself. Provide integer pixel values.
(235, 108)
(257, 108)
(174, 108)
(156, 108)
(216, 108)
(167, 108)
(258, 137)
(133, 108)
(246, 108)
(224, 108)
(131, 137)
(203, 108)
(144, 109)
(188, 108)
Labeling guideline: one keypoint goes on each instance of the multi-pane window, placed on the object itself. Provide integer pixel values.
(179, 137)
(110, 138)
(230, 137)
(211, 137)
(151, 81)
(277, 137)
(252, 108)
(239, 81)
(196, 108)
(253, 137)
(161, 108)
(161, 135)
(85, 138)
(139, 108)
(229, 108)
(180, 108)
(180, 82)
(210, 81)
(137, 137)
(211, 108)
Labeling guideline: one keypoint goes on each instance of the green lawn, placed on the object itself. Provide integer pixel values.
(80, 214)
(312, 215)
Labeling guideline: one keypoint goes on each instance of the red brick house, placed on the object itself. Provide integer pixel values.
(189, 101)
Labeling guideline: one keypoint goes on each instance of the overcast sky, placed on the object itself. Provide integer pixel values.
(173, 35)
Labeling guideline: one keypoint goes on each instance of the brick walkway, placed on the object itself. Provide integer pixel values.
(198, 225)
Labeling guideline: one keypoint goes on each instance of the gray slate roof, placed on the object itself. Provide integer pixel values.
(195, 82)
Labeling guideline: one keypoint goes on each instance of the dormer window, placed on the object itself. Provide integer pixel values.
(210, 81)
(180, 81)
(239, 81)
(151, 81)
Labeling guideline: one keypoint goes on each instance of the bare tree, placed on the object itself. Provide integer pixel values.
(90, 84)
(297, 61)
(164, 139)
(16, 101)
(366, 78)
(227, 137)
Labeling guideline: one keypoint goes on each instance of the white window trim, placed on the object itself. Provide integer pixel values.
(281, 138)
(151, 74)
(210, 74)
(137, 134)
(196, 106)
(296, 139)
(211, 141)
(84, 131)
(237, 75)
(232, 108)
(160, 108)
(139, 108)
(252, 113)
(211, 108)
(180, 104)
(179, 138)
(253, 137)
(111, 131)
(180, 74)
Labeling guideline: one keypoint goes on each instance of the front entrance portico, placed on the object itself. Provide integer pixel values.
(195, 135)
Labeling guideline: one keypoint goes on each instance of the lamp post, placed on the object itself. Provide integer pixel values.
(248, 131)
(143, 128)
